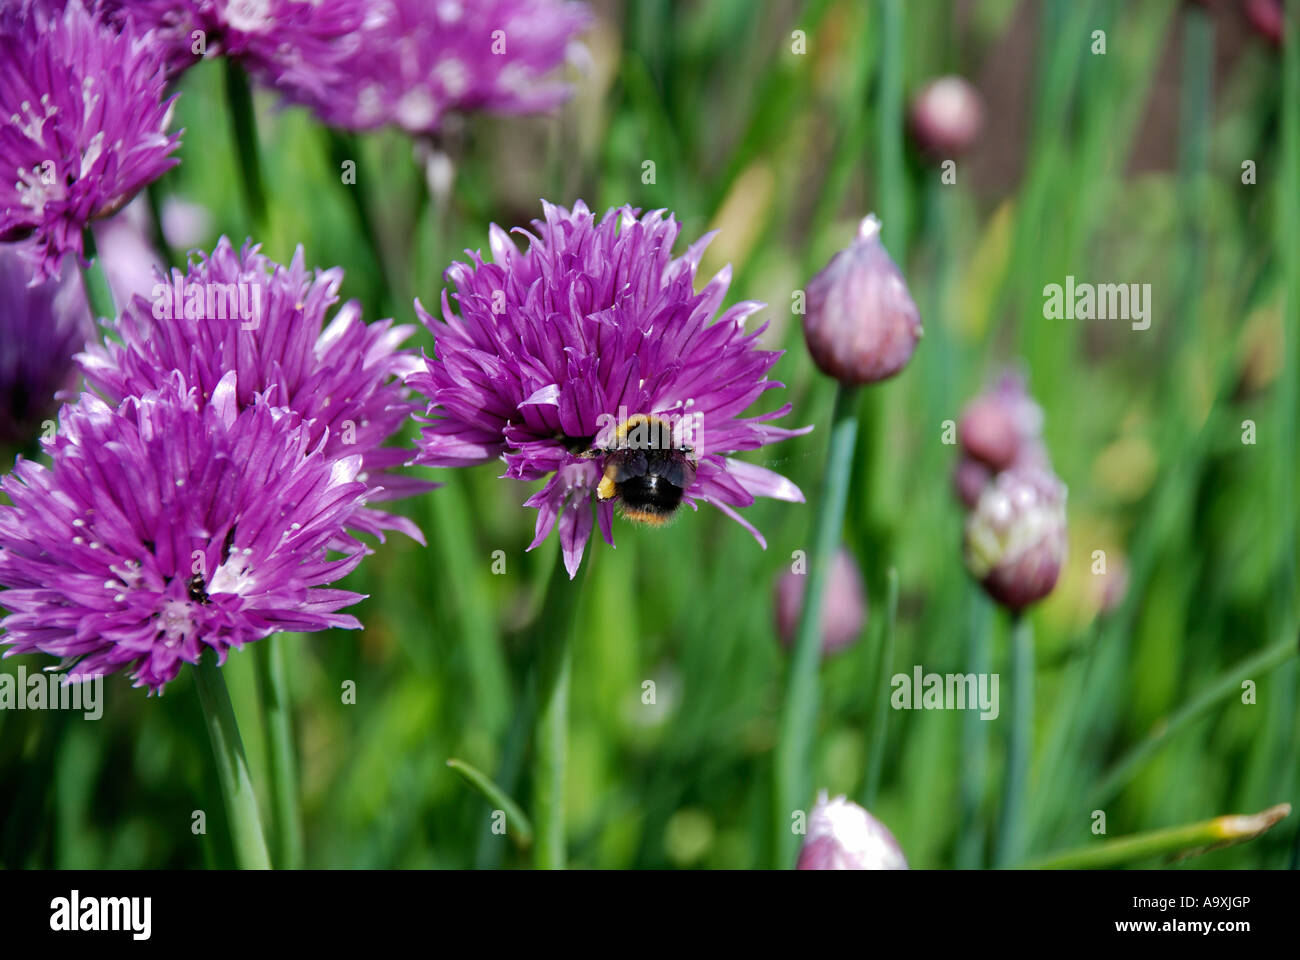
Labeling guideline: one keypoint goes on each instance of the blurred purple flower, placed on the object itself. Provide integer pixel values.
(417, 60)
(240, 311)
(844, 606)
(1002, 426)
(41, 328)
(126, 252)
(843, 836)
(596, 326)
(862, 324)
(185, 224)
(946, 116)
(86, 126)
(169, 525)
(1015, 538)
(1267, 18)
(969, 480)
(295, 46)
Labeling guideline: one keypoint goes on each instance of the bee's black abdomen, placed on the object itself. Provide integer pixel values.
(650, 494)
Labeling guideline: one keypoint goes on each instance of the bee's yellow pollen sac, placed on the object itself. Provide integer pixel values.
(605, 489)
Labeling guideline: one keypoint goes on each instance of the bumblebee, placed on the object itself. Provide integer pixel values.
(645, 470)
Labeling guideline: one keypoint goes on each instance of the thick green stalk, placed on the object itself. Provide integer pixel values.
(1011, 826)
(243, 130)
(232, 767)
(453, 539)
(281, 754)
(551, 741)
(344, 148)
(872, 528)
(1183, 841)
(975, 738)
(892, 191)
(793, 766)
(98, 293)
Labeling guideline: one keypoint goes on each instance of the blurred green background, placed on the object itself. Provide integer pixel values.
(1122, 167)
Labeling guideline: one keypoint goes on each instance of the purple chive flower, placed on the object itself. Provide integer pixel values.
(844, 607)
(862, 324)
(843, 836)
(41, 328)
(169, 525)
(291, 45)
(418, 60)
(84, 128)
(1015, 538)
(590, 360)
(239, 311)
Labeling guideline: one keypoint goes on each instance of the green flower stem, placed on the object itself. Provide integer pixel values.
(551, 745)
(1184, 841)
(1222, 688)
(881, 688)
(1011, 826)
(344, 147)
(280, 751)
(243, 130)
(975, 738)
(793, 765)
(889, 130)
(453, 538)
(98, 293)
(232, 767)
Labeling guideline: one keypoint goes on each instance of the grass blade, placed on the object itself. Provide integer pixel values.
(523, 836)
(1189, 840)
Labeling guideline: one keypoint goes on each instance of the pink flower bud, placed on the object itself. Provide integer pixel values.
(843, 836)
(844, 606)
(1267, 19)
(1001, 426)
(988, 432)
(946, 117)
(1016, 536)
(861, 325)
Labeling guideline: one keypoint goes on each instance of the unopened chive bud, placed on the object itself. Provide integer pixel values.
(946, 117)
(862, 324)
(987, 433)
(844, 605)
(843, 836)
(1267, 19)
(1001, 427)
(1015, 538)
